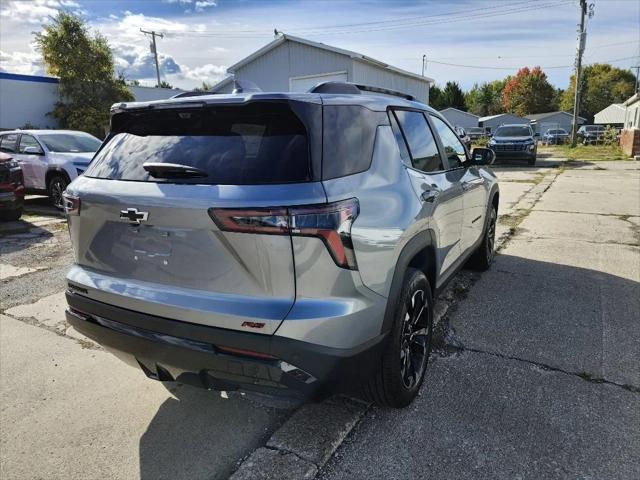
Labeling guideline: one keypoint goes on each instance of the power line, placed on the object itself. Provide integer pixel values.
(489, 67)
(459, 16)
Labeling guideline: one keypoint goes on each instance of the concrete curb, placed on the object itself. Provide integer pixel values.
(306, 441)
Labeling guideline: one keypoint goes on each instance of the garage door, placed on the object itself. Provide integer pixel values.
(303, 84)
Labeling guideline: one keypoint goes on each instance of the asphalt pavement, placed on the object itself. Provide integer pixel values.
(536, 372)
(539, 372)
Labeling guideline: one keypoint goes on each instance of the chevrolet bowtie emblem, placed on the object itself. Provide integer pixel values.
(133, 215)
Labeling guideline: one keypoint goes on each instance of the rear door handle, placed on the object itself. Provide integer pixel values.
(429, 195)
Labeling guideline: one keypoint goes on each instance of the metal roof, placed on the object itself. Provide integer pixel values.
(458, 110)
(541, 116)
(614, 113)
(357, 56)
(491, 117)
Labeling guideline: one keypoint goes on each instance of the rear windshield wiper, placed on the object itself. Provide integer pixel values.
(172, 170)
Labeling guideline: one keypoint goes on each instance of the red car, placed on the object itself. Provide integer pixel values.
(11, 188)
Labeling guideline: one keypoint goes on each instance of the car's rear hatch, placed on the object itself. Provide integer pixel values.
(146, 236)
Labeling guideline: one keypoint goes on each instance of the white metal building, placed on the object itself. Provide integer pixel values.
(459, 118)
(541, 122)
(612, 115)
(26, 99)
(632, 112)
(492, 122)
(293, 64)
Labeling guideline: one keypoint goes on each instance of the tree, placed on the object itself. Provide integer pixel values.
(602, 85)
(134, 83)
(528, 92)
(164, 84)
(485, 99)
(436, 98)
(204, 88)
(453, 96)
(84, 65)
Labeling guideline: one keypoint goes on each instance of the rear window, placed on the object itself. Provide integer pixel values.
(262, 143)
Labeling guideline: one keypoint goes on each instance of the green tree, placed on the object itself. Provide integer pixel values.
(206, 87)
(485, 99)
(436, 97)
(164, 84)
(453, 96)
(602, 85)
(84, 65)
(528, 92)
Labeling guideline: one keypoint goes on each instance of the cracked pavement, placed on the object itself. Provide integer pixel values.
(537, 370)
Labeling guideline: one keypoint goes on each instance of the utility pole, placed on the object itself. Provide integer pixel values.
(582, 38)
(424, 63)
(637, 69)
(155, 49)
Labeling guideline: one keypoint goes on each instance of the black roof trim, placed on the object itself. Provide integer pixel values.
(349, 88)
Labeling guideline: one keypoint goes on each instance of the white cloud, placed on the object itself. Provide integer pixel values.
(202, 4)
(205, 73)
(21, 62)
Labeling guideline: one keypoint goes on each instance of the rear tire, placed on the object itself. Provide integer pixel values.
(482, 258)
(57, 184)
(406, 356)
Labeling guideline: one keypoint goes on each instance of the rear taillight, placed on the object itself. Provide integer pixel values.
(71, 204)
(331, 222)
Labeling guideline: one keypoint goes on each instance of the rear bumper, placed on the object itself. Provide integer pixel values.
(171, 350)
(11, 200)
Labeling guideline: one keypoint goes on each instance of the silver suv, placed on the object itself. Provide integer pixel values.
(277, 242)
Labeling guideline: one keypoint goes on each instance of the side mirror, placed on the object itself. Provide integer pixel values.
(32, 151)
(482, 156)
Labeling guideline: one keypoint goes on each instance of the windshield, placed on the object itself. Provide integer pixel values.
(514, 131)
(70, 143)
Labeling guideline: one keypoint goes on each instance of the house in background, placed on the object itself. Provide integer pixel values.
(27, 99)
(541, 122)
(458, 118)
(612, 115)
(293, 64)
(492, 122)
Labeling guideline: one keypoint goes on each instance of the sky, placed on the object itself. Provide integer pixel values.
(469, 41)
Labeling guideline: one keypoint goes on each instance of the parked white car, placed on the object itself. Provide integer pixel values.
(50, 159)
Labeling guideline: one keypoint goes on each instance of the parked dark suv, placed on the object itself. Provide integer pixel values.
(514, 142)
(280, 242)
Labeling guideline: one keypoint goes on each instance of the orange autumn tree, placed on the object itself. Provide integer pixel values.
(528, 92)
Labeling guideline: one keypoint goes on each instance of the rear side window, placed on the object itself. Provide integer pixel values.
(259, 143)
(420, 140)
(8, 143)
(349, 132)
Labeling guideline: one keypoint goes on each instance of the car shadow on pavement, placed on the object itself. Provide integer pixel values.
(198, 434)
(16, 236)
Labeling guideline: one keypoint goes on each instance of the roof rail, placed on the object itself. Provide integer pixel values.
(354, 88)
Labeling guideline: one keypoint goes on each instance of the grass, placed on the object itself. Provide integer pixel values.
(585, 152)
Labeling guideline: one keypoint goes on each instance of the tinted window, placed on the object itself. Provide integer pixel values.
(28, 141)
(70, 143)
(8, 143)
(254, 144)
(453, 148)
(515, 131)
(402, 145)
(349, 134)
(422, 145)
